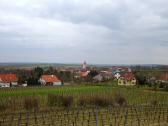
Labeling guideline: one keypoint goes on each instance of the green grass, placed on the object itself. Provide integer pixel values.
(36, 91)
(134, 95)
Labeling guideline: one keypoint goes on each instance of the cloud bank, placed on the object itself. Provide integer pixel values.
(98, 31)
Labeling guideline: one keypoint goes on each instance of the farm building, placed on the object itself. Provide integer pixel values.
(164, 78)
(127, 79)
(47, 80)
(8, 80)
(84, 74)
(103, 76)
(120, 71)
(98, 78)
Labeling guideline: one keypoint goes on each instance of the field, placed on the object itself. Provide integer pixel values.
(83, 105)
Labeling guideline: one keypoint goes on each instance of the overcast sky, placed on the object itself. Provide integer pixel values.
(71, 31)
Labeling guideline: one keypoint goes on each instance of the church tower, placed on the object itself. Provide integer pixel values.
(84, 65)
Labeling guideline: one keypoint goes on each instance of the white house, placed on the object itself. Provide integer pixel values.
(49, 80)
(8, 80)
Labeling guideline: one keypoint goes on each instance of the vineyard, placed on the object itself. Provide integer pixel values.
(111, 116)
(83, 106)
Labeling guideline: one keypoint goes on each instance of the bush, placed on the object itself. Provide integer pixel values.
(54, 100)
(102, 101)
(67, 101)
(154, 102)
(3, 106)
(8, 103)
(83, 101)
(98, 101)
(31, 103)
(95, 100)
(166, 87)
(60, 100)
(12, 103)
(120, 100)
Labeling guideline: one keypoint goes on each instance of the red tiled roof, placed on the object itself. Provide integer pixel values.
(129, 76)
(7, 78)
(164, 77)
(121, 68)
(84, 74)
(50, 78)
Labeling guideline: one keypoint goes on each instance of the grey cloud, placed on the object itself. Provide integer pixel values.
(99, 31)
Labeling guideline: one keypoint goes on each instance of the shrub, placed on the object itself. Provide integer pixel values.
(3, 106)
(99, 101)
(54, 100)
(8, 103)
(154, 102)
(84, 100)
(120, 100)
(67, 101)
(60, 100)
(95, 100)
(166, 87)
(31, 103)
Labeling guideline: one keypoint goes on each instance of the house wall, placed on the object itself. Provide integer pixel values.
(14, 83)
(57, 83)
(98, 78)
(4, 84)
(133, 82)
(122, 81)
(42, 82)
(8, 84)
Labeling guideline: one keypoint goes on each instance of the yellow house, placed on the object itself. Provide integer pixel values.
(127, 79)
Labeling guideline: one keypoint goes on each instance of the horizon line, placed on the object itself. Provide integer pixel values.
(77, 63)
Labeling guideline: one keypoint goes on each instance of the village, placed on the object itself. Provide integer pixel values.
(121, 75)
(87, 94)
